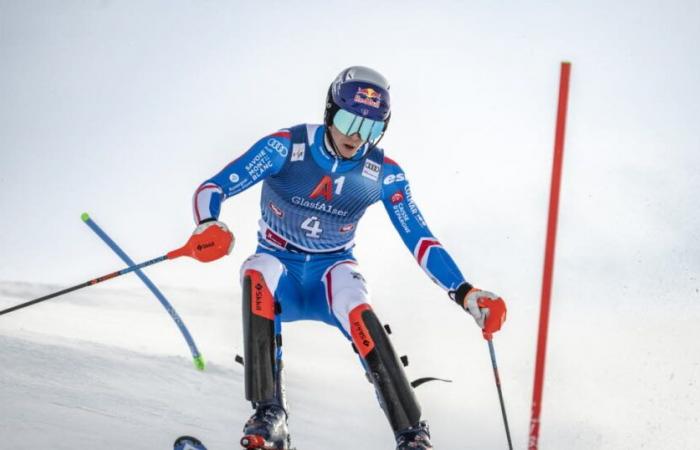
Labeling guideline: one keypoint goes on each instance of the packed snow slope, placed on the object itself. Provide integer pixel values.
(105, 368)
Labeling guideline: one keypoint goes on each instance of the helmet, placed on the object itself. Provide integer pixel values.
(364, 93)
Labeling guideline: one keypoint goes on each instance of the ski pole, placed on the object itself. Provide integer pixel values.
(492, 351)
(207, 246)
(196, 355)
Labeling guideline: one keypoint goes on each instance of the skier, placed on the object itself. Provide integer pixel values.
(318, 180)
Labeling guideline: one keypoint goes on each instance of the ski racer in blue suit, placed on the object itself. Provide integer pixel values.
(317, 182)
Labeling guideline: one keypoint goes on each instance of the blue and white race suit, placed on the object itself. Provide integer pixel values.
(310, 205)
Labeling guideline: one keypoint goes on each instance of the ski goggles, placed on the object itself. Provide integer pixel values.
(349, 124)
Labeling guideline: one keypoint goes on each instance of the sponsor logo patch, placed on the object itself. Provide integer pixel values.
(393, 178)
(397, 197)
(274, 238)
(348, 227)
(402, 217)
(361, 333)
(357, 276)
(278, 212)
(324, 188)
(298, 151)
(369, 97)
(414, 209)
(257, 166)
(319, 206)
(371, 170)
(278, 146)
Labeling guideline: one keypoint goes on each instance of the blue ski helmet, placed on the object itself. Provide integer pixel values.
(363, 92)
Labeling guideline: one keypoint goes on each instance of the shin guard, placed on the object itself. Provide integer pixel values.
(261, 371)
(386, 372)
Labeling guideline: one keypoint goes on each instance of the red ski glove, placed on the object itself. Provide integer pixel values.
(487, 309)
(209, 242)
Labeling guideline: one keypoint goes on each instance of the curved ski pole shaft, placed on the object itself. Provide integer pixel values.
(205, 247)
(196, 355)
(109, 276)
(498, 387)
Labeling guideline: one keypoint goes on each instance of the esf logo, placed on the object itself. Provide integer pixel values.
(277, 146)
(393, 178)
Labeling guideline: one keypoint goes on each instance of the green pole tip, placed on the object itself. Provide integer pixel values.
(199, 362)
(85, 217)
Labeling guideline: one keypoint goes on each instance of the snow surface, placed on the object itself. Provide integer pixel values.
(105, 368)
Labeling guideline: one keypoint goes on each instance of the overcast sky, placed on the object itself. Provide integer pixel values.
(121, 109)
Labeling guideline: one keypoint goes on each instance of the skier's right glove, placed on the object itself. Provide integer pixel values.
(487, 309)
(211, 240)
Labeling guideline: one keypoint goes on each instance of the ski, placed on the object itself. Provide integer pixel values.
(188, 443)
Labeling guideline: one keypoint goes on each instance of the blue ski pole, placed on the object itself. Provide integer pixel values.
(196, 355)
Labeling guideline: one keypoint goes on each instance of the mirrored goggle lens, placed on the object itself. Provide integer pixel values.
(349, 124)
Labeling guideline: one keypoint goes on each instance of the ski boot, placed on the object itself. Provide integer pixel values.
(416, 437)
(266, 429)
(188, 443)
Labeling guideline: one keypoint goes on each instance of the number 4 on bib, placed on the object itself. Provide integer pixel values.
(312, 226)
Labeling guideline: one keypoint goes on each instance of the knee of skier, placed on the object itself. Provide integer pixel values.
(346, 291)
(342, 307)
(268, 266)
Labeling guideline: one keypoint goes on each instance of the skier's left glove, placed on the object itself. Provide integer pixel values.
(487, 309)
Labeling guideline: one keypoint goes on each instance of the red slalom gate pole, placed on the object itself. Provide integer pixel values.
(549, 255)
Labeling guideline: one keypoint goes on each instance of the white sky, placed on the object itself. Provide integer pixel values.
(121, 109)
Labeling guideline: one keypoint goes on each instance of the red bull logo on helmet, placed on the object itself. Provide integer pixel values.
(368, 96)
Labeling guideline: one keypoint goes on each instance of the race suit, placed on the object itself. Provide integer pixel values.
(311, 203)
